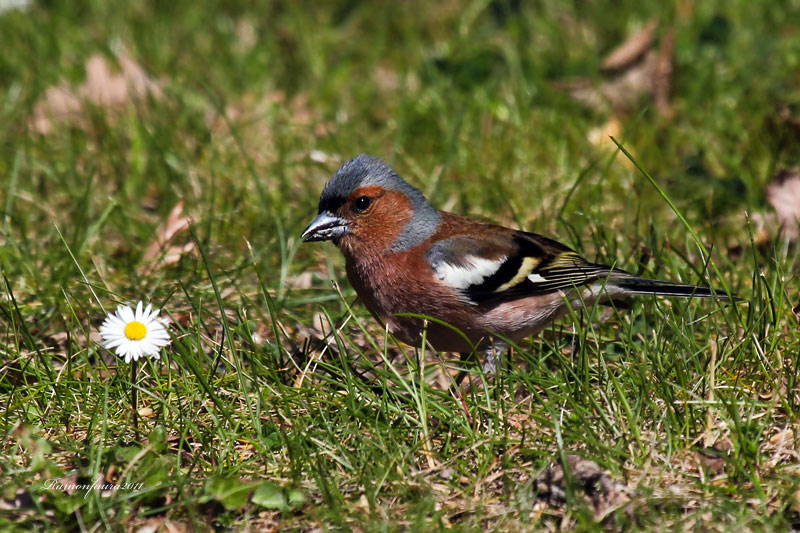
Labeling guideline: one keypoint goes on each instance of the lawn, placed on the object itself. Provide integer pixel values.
(173, 152)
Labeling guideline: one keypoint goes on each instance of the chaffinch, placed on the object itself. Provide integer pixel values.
(483, 282)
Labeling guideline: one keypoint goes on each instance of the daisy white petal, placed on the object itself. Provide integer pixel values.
(113, 343)
(134, 334)
(125, 314)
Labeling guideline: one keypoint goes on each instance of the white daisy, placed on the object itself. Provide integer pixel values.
(135, 335)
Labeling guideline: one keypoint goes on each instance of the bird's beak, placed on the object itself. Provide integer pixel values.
(325, 227)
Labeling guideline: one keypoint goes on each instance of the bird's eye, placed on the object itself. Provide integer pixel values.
(362, 202)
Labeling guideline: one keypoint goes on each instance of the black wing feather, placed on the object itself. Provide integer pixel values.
(535, 265)
(556, 268)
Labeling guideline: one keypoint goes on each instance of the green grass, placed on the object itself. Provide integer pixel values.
(260, 415)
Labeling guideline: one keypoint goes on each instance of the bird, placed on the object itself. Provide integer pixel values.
(471, 286)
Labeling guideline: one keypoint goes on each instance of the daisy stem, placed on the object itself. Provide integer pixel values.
(135, 398)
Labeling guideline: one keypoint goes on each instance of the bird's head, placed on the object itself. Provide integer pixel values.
(366, 205)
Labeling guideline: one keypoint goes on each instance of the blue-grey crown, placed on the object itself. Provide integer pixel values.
(365, 170)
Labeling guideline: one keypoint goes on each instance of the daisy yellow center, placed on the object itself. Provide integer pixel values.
(135, 330)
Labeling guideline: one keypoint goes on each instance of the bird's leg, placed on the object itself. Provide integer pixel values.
(492, 356)
(492, 359)
(491, 362)
(458, 390)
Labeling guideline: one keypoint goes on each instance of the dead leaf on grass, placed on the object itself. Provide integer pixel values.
(783, 194)
(604, 493)
(781, 436)
(781, 448)
(105, 88)
(161, 252)
(59, 343)
(102, 88)
(632, 49)
(713, 459)
(637, 67)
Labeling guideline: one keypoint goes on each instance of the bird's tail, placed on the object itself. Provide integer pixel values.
(634, 285)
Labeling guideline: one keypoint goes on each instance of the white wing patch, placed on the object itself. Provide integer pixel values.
(536, 278)
(476, 269)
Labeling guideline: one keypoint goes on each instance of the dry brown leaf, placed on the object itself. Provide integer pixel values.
(632, 49)
(634, 69)
(162, 247)
(625, 89)
(783, 194)
(58, 102)
(604, 493)
(103, 88)
(58, 345)
(713, 459)
(173, 254)
(781, 436)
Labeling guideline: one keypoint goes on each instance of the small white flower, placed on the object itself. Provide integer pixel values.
(135, 335)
